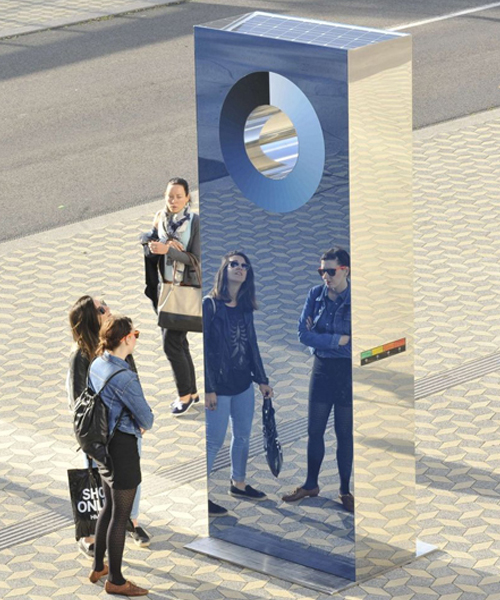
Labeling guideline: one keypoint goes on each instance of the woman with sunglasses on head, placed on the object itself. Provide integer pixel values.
(129, 415)
(175, 236)
(232, 364)
(85, 320)
(325, 326)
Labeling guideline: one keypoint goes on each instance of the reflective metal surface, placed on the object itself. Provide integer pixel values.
(380, 150)
(271, 142)
(350, 109)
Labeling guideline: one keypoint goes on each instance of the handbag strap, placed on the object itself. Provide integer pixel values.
(195, 263)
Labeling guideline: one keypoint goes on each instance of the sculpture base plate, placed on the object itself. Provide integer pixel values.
(285, 569)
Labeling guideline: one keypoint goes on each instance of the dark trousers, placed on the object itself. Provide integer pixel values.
(330, 387)
(176, 348)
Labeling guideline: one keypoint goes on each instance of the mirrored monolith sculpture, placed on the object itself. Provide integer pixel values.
(304, 148)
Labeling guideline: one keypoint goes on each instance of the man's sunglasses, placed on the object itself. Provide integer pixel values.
(330, 272)
(234, 264)
(102, 308)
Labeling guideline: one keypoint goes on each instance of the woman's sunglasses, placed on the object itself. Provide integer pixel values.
(135, 333)
(234, 264)
(330, 272)
(102, 308)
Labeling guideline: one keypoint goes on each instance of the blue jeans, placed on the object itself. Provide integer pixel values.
(135, 506)
(240, 408)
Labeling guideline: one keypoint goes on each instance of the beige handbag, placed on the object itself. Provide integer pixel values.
(179, 305)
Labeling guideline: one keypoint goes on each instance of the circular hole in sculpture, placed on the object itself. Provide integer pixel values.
(271, 142)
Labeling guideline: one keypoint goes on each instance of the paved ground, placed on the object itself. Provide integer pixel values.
(457, 176)
(26, 16)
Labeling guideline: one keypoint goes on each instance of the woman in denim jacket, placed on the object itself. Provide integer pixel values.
(85, 319)
(325, 326)
(129, 415)
(232, 365)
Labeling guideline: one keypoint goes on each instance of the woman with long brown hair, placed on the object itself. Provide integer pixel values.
(232, 365)
(85, 319)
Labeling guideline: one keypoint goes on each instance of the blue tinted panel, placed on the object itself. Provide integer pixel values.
(332, 35)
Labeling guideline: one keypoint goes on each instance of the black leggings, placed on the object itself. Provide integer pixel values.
(111, 530)
(176, 348)
(330, 386)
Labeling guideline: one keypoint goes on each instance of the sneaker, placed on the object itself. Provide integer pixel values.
(140, 537)
(180, 408)
(85, 548)
(195, 401)
(215, 510)
(249, 493)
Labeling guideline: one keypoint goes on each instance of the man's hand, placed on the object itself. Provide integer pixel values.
(211, 401)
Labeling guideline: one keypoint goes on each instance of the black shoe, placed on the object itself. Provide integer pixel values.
(85, 548)
(249, 493)
(140, 537)
(130, 526)
(180, 408)
(215, 510)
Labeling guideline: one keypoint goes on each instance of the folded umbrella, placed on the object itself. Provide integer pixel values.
(272, 446)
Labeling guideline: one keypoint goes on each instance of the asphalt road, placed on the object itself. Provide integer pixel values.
(96, 117)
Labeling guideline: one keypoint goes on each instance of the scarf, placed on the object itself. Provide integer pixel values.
(169, 228)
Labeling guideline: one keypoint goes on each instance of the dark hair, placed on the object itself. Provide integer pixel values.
(179, 181)
(246, 294)
(338, 254)
(84, 323)
(113, 331)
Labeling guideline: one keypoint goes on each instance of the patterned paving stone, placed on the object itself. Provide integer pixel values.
(457, 255)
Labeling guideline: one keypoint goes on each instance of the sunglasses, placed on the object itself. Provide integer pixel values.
(234, 264)
(102, 308)
(330, 272)
(135, 333)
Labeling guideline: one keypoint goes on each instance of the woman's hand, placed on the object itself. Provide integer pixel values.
(266, 390)
(143, 431)
(309, 323)
(158, 247)
(344, 339)
(175, 244)
(211, 401)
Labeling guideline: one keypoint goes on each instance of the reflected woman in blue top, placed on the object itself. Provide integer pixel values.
(325, 326)
(129, 416)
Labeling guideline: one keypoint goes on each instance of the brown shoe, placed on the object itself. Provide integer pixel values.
(299, 493)
(347, 501)
(96, 575)
(127, 589)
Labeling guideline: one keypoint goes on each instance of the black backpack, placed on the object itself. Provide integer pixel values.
(90, 422)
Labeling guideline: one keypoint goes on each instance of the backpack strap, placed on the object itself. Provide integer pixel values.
(107, 380)
(110, 378)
